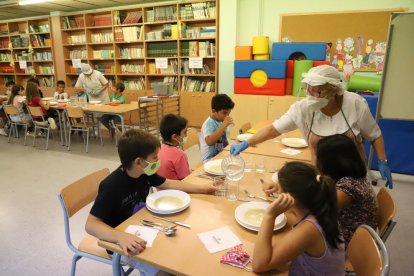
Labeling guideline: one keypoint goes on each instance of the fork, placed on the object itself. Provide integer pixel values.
(272, 195)
(254, 196)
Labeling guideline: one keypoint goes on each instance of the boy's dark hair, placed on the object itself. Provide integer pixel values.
(60, 82)
(120, 86)
(172, 124)
(10, 82)
(338, 156)
(134, 144)
(314, 193)
(297, 56)
(221, 101)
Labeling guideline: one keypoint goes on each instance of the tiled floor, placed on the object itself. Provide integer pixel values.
(32, 240)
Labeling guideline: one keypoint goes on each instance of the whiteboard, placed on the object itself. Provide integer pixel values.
(396, 100)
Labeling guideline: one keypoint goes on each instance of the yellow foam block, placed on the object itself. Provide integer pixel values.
(261, 45)
(252, 131)
(262, 57)
(244, 52)
(258, 78)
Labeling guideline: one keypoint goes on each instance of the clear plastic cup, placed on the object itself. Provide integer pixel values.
(221, 183)
(232, 190)
(260, 166)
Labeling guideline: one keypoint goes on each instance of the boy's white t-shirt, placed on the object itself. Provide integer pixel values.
(57, 96)
(207, 152)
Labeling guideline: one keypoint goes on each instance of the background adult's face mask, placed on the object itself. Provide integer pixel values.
(315, 104)
(152, 167)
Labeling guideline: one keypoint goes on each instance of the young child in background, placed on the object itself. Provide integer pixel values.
(174, 162)
(116, 97)
(33, 99)
(17, 99)
(313, 246)
(213, 132)
(126, 188)
(60, 93)
(338, 157)
(9, 86)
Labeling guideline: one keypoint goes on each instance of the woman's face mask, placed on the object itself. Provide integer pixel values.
(152, 167)
(315, 104)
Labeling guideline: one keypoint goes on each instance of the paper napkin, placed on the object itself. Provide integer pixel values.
(219, 239)
(146, 233)
(290, 151)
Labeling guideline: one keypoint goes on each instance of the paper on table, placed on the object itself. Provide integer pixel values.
(146, 233)
(290, 151)
(219, 239)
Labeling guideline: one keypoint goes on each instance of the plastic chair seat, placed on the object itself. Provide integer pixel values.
(90, 245)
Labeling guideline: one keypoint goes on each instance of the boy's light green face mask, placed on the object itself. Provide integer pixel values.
(152, 167)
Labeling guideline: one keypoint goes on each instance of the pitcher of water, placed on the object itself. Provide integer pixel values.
(233, 168)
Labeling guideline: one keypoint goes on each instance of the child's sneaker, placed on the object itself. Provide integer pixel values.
(52, 123)
(30, 133)
(3, 132)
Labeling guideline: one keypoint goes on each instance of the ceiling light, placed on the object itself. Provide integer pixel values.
(29, 2)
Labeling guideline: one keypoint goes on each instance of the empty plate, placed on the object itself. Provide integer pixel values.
(294, 142)
(244, 136)
(48, 98)
(168, 202)
(250, 215)
(213, 167)
(94, 102)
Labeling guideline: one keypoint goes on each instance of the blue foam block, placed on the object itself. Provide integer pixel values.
(312, 50)
(275, 69)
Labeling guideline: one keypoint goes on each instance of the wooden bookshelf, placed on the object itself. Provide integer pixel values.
(126, 44)
(29, 41)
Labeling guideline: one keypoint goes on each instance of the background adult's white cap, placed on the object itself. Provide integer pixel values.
(86, 68)
(321, 75)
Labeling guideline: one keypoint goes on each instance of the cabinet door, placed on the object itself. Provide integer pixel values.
(279, 105)
(196, 107)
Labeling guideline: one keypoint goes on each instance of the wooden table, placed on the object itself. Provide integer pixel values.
(184, 253)
(274, 146)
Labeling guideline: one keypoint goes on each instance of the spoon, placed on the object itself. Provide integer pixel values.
(168, 231)
(272, 195)
(253, 196)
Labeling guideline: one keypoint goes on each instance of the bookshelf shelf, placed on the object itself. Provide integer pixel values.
(198, 20)
(42, 47)
(198, 75)
(197, 38)
(73, 30)
(129, 42)
(129, 25)
(42, 61)
(99, 27)
(97, 44)
(160, 40)
(160, 22)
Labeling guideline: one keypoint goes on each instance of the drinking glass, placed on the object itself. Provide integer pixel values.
(221, 183)
(232, 190)
(73, 101)
(260, 166)
(82, 101)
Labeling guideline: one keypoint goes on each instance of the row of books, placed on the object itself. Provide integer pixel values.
(169, 31)
(43, 56)
(196, 85)
(39, 28)
(4, 44)
(162, 14)
(185, 69)
(198, 10)
(102, 37)
(138, 84)
(5, 57)
(47, 81)
(162, 49)
(76, 39)
(41, 40)
(97, 54)
(6, 68)
(133, 68)
(4, 32)
(131, 52)
(198, 32)
(130, 17)
(28, 70)
(20, 41)
(105, 68)
(78, 54)
(128, 34)
(23, 56)
(46, 70)
(171, 69)
(102, 21)
(71, 22)
(198, 49)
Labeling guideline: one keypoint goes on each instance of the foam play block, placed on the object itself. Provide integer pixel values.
(275, 69)
(273, 87)
(289, 86)
(320, 62)
(261, 57)
(261, 45)
(290, 68)
(312, 50)
(243, 53)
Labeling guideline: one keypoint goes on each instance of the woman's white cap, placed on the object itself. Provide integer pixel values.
(321, 75)
(86, 68)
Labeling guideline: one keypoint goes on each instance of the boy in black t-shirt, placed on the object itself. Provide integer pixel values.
(125, 190)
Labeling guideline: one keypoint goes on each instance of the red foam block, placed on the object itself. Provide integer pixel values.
(273, 87)
(289, 86)
(320, 62)
(290, 65)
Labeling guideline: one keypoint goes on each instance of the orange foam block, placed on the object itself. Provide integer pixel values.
(244, 53)
(273, 87)
(290, 65)
(320, 62)
(289, 86)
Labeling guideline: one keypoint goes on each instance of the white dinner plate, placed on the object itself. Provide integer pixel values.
(47, 98)
(250, 215)
(94, 102)
(294, 142)
(63, 101)
(213, 167)
(168, 202)
(53, 103)
(244, 136)
(275, 177)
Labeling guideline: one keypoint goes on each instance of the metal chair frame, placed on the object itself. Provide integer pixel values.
(12, 111)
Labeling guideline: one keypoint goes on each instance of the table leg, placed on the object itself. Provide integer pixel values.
(116, 264)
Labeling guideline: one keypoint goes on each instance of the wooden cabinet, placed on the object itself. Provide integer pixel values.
(196, 107)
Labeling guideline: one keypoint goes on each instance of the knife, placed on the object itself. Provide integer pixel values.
(172, 221)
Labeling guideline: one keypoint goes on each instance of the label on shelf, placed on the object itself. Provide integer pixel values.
(23, 64)
(195, 62)
(161, 63)
(76, 63)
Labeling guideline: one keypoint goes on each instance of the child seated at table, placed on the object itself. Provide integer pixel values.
(126, 188)
(60, 93)
(314, 245)
(108, 120)
(213, 137)
(174, 161)
(19, 102)
(33, 99)
(338, 157)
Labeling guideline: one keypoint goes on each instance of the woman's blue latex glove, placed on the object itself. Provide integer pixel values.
(237, 148)
(385, 172)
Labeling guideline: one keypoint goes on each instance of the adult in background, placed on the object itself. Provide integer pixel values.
(327, 110)
(94, 84)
